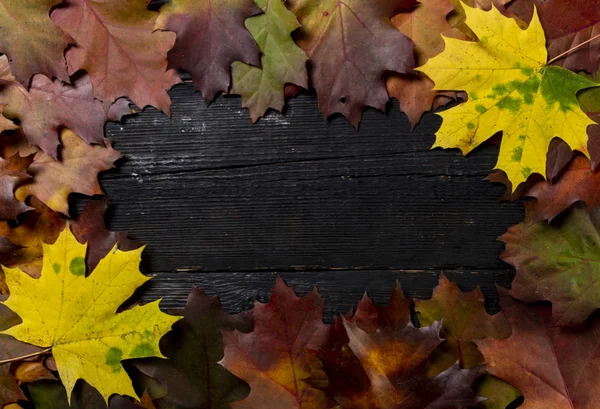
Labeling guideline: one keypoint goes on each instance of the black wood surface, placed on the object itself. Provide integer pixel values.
(225, 204)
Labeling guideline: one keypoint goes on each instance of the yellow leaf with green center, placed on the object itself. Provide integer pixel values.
(76, 315)
(282, 60)
(511, 89)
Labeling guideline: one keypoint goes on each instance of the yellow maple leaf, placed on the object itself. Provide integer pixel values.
(511, 89)
(75, 315)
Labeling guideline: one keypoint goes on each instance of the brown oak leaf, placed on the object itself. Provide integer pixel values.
(554, 368)
(32, 42)
(117, 46)
(51, 105)
(272, 358)
(75, 172)
(351, 46)
(210, 36)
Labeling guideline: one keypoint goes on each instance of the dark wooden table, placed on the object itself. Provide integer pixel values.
(226, 205)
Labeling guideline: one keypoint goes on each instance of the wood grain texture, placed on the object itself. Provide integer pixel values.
(229, 203)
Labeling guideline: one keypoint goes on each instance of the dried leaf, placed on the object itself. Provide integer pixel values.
(13, 172)
(555, 368)
(117, 46)
(90, 228)
(204, 45)
(32, 42)
(272, 358)
(41, 225)
(28, 372)
(51, 105)
(425, 26)
(465, 320)
(351, 46)
(75, 172)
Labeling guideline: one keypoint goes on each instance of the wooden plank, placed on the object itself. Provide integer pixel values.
(210, 192)
(342, 290)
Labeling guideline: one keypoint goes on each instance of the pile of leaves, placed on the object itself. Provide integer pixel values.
(519, 73)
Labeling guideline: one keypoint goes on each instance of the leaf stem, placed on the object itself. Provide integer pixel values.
(558, 57)
(19, 358)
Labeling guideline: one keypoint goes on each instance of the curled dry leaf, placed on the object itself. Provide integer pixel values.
(192, 375)
(117, 46)
(554, 368)
(272, 358)
(28, 372)
(425, 26)
(351, 46)
(75, 316)
(282, 62)
(51, 105)
(75, 172)
(509, 87)
(557, 262)
(32, 42)
(465, 320)
(204, 46)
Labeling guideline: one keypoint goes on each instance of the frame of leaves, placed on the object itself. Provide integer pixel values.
(526, 68)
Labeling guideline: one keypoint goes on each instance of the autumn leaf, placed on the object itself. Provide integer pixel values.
(425, 26)
(557, 262)
(373, 362)
(10, 391)
(74, 316)
(13, 171)
(204, 46)
(351, 46)
(464, 320)
(75, 172)
(395, 315)
(50, 105)
(90, 228)
(38, 226)
(282, 62)
(567, 24)
(555, 368)
(32, 42)
(511, 90)
(117, 46)
(578, 182)
(386, 369)
(192, 375)
(272, 358)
